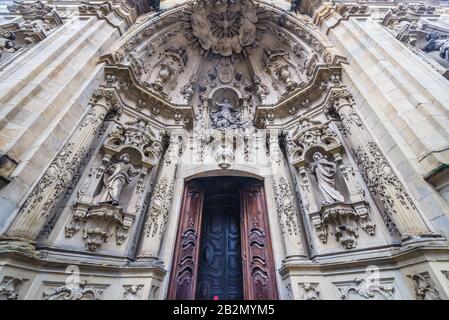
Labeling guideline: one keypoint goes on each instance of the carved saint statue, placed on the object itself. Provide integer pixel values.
(117, 176)
(224, 116)
(325, 175)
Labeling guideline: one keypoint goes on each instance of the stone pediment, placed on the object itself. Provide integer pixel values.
(168, 59)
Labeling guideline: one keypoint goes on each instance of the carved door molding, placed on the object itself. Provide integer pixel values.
(185, 261)
(259, 280)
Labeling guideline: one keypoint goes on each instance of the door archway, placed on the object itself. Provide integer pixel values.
(223, 246)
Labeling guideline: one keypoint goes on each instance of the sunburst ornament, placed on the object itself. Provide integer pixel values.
(224, 27)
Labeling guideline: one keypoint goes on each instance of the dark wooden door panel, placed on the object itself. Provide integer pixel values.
(258, 263)
(185, 261)
(220, 265)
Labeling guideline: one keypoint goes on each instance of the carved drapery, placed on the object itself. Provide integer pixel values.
(35, 211)
(185, 260)
(258, 263)
(327, 184)
(399, 210)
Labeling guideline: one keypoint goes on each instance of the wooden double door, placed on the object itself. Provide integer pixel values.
(223, 247)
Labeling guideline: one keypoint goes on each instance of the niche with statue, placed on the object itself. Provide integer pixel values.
(332, 195)
(112, 193)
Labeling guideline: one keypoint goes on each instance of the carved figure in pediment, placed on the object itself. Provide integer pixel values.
(325, 171)
(117, 176)
(225, 115)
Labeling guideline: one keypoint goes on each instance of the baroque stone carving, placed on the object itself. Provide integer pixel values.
(261, 90)
(424, 287)
(309, 291)
(171, 63)
(223, 27)
(99, 223)
(39, 21)
(225, 115)
(65, 166)
(346, 9)
(324, 171)
(310, 133)
(435, 42)
(367, 288)
(9, 288)
(117, 176)
(379, 177)
(285, 206)
(7, 42)
(132, 292)
(73, 291)
(277, 63)
(344, 220)
(159, 208)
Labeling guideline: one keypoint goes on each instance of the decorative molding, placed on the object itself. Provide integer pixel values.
(367, 288)
(286, 209)
(132, 292)
(157, 216)
(99, 223)
(73, 291)
(344, 220)
(309, 291)
(225, 28)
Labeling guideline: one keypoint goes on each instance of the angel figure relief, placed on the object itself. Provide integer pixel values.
(225, 115)
(115, 178)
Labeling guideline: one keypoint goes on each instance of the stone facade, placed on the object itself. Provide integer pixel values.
(108, 108)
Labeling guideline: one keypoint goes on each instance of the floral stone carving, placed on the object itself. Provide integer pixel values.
(73, 291)
(367, 288)
(223, 28)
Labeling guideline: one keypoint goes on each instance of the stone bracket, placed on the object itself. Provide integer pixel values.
(99, 224)
(344, 221)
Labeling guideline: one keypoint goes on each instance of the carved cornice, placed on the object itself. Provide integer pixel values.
(408, 12)
(291, 104)
(332, 15)
(315, 94)
(112, 11)
(124, 80)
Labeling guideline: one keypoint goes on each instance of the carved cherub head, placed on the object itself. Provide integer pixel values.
(318, 156)
(124, 158)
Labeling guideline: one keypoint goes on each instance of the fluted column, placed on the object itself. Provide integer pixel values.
(285, 200)
(161, 199)
(382, 181)
(34, 213)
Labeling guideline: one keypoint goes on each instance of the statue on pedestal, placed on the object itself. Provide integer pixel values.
(116, 177)
(324, 171)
